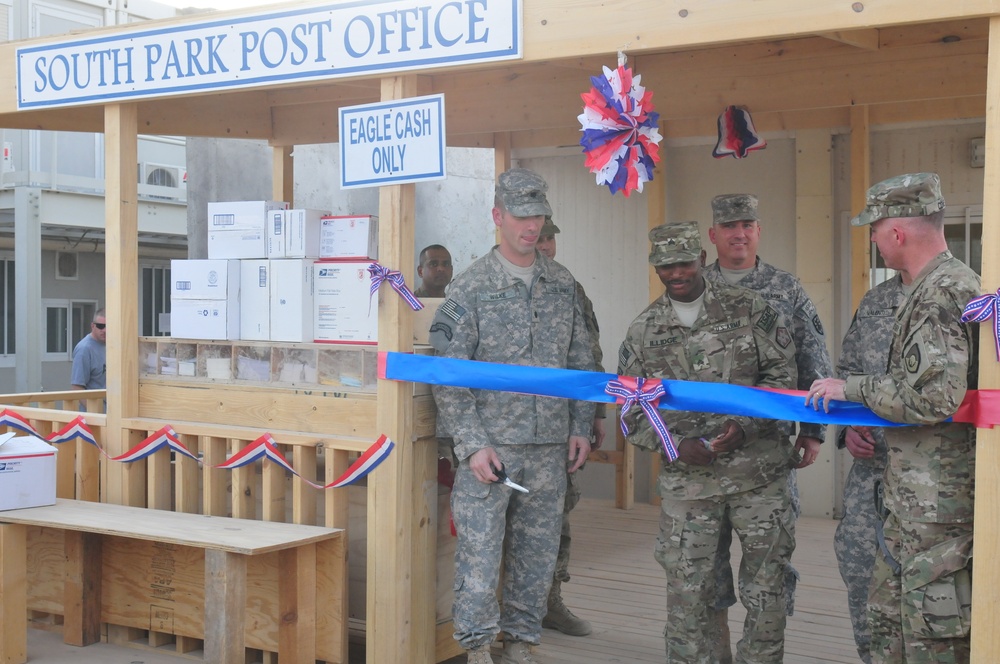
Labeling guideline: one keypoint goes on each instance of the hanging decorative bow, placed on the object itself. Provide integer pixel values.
(737, 135)
(395, 279)
(620, 132)
(983, 308)
(646, 392)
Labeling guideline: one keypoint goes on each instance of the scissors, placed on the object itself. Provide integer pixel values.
(503, 479)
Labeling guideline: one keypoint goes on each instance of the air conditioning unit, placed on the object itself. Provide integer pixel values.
(67, 265)
(161, 175)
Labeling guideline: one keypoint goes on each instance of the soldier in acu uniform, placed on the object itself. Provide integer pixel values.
(735, 232)
(865, 350)
(514, 306)
(732, 471)
(559, 616)
(920, 601)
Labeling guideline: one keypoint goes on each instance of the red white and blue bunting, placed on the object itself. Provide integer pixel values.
(264, 447)
(380, 273)
(620, 130)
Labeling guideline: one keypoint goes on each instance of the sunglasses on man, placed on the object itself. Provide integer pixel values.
(99, 326)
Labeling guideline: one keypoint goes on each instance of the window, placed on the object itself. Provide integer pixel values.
(66, 323)
(8, 329)
(154, 301)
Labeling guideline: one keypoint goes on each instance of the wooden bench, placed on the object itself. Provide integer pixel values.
(227, 545)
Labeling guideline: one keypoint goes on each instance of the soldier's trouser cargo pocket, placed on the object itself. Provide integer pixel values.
(937, 590)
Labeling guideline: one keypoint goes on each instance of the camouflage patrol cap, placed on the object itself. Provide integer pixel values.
(675, 242)
(522, 193)
(734, 207)
(548, 228)
(910, 195)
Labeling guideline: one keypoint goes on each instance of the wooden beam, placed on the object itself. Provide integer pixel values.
(864, 39)
(861, 245)
(283, 174)
(986, 574)
(120, 267)
(13, 593)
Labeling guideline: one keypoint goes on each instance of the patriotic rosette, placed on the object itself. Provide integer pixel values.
(620, 130)
(981, 309)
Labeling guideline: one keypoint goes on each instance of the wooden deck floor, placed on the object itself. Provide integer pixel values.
(620, 589)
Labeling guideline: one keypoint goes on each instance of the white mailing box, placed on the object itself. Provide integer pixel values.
(237, 244)
(276, 233)
(292, 300)
(27, 472)
(241, 215)
(205, 319)
(342, 311)
(255, 299)
(195, 279)
(302, 233)
(349, 237)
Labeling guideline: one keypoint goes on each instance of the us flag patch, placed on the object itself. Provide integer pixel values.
(452, 310)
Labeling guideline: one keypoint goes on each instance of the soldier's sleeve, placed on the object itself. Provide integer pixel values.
(455, 333)
(811, 356)
(934, 373)
(590, 319)
(580, 356)
(850, 361)
(775, 357)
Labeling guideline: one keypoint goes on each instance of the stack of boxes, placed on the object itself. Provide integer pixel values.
(275, 274)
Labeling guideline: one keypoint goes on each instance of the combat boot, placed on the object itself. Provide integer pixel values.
(561, 618)
(722, 652)
(480, 655)
(517, 652)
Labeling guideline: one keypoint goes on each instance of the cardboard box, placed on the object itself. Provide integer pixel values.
(237, 244)
(195, 279)
(241, 215)
(291, 295)
(349, 238)
(302, 232)
(342, 311)
(277, 233)
(27, 472)
(205, 319)
(255, 299)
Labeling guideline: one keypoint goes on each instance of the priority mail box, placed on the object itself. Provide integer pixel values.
(353, 237)
(246, 243)
(342, 310)
(302, 232)
(292, 290)
(255, 299)
(27, 472)
(276, 234)
(205, 319)
(200, 279)
(241, 215)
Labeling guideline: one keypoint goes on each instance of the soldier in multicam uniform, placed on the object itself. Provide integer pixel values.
(865, 350)
(735, 232)
(920, 600)
(558, 615)
(514, 306)
(731, 466)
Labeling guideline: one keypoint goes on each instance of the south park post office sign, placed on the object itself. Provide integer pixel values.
(306, 43)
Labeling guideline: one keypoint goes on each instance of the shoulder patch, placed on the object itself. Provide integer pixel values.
(452, 310)
(767, 319)
(911, 358)
(818, 325)
(624, 355)
(782, 336)
(443, 328)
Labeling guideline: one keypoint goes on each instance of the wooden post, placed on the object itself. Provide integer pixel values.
(656, 214)
(283, 174)
(121, 269)
(400, 611)
(986, 572)
(82, 588)
(13, 593)
(861, 246)
(225, 606)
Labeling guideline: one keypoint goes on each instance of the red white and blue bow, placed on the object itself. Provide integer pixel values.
(984, 308)
(630, 390)
(620, 130)
(395, 278)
